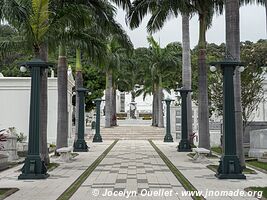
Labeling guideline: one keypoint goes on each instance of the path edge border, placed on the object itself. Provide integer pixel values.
(179, 176)
(67, 194)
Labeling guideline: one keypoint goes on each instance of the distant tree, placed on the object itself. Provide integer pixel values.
(254, 55)
(161, 70)
(94, 80)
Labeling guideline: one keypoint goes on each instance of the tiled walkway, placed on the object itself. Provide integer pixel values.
(203, 178)
(60, 178)
(134, 167)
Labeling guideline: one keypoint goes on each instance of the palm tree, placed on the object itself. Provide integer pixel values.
(96, 14)
(186, 72)
(116, 45)
(160, 14)
(62, 81)
(30, 19)
(233, 48)
(160, 61)
(38, 23)
(88, 40)
(205, 10)
(156, 22)
(82, 14)
(156, 64)
(78, 84)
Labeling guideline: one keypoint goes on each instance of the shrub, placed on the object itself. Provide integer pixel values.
(21, 137)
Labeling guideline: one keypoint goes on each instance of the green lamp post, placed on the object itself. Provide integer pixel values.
(34, 167)
(97, 137)
(184, 145)
(229, 167)
(168, 135)
(80, 144)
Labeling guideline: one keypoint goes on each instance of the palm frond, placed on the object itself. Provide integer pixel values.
(125, 4)
(38, 19)
(9, 45)
(139, 9)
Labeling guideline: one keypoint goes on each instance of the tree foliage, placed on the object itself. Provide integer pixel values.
(254, 56)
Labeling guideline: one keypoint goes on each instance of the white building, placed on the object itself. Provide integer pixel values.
(15, 104)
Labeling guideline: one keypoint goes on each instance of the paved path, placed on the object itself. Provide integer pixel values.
(134, 167)
(203, 178)
(60, 178)
(129, 122)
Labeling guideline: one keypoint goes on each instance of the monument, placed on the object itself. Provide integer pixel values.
(258, 143)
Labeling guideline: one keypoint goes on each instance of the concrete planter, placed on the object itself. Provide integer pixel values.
(10, 147)
(258, 143)
(3, 161)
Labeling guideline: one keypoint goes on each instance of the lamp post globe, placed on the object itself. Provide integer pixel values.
(23, 69)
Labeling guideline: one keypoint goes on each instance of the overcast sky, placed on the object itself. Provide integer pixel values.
(252, 27)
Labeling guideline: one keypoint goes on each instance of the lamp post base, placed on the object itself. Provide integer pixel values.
(97, 138)
(230, 168)
(80, 146)
(184, 146)
(34, 168)
(168, 138)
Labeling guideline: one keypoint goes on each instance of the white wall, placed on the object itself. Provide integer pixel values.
(15, 104)
(261, 113)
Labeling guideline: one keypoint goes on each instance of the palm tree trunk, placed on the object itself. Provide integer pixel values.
(155, 107)
(233, 47)
(266, 15)
(156, 113)
(62, 81)
(203, 107)
(153, 110)
(186, 71)
(78, 84)
(43, 54)
(114, 106)
(160, 105)
(108, 98)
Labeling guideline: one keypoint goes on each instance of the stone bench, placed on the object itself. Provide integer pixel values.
(65, 153)
(200, 154)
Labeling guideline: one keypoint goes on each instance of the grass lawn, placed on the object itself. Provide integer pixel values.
(257, 164)
(217, 149)
(5, 192)
(246, 171)
(74, 155)
(250, 161)
(191, 155)
(67, 194)
(52, 166)
(180, 177)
